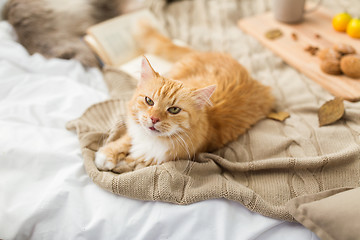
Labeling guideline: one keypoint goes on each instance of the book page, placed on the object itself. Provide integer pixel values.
(96, 48)
(114, 37)
(133, 67)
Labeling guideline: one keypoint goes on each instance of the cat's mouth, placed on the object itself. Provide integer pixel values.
(154, 129)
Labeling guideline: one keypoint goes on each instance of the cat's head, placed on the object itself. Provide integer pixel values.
(165, 107)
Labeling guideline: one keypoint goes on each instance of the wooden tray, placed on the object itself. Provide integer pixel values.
(316, 30)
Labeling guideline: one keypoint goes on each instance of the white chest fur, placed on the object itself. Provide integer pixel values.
(145, 145)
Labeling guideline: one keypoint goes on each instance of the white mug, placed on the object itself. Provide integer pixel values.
(291, 11)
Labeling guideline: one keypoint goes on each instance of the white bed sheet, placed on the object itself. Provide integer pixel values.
(45, 192)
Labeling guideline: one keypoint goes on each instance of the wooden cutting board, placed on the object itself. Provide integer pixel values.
(316, 30)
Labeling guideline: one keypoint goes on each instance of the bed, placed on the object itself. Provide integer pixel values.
(45, 190)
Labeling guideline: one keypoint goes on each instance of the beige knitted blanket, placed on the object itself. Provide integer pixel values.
(266, 167)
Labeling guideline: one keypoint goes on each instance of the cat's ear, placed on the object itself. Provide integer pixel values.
(202, 96)
(147, 72)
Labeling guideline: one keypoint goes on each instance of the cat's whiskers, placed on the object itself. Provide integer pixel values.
(192, 144)
(184, 145)
(172, 142)
(178, 142)
(187, 147)
(165, 127)
(174, 149)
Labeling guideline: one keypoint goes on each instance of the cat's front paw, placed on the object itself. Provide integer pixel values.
(104, 162)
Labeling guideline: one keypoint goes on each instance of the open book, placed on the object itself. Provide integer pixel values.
(112, 41)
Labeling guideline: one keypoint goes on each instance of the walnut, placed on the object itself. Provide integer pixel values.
(350, 65)
(344, 48)
(331, 66)
(328, 53)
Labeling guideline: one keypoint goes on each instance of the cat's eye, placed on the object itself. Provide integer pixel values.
(149, 101)
(174, 110)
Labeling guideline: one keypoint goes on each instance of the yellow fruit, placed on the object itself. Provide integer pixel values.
(340, 21)
(353, 28)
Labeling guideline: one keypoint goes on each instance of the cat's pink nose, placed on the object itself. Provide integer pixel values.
(154, 119)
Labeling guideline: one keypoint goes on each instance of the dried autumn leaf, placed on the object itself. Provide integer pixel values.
(279, 116)
(273, 34)
(357, 99)
(331, 111)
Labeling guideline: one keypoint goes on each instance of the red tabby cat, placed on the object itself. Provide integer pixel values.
(207, 101)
